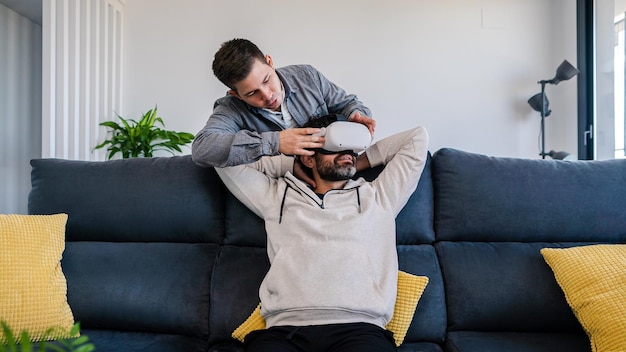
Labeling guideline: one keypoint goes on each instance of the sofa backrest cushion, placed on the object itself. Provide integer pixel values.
(482, 198)
(414, 223)
(167, 199)
(235, 288)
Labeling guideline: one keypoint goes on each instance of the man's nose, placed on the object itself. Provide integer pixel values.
(267, 93)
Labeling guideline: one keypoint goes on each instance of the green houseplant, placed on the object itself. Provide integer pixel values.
(142, 138)
(22, 343)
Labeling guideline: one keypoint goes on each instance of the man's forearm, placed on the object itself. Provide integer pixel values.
(210, 148)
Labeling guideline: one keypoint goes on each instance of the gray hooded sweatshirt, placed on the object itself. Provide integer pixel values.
(333, 260)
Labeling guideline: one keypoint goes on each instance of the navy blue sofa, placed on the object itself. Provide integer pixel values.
(161, 257)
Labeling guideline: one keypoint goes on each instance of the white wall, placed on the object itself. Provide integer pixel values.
(562, 124)
(20, 107)
(462, 68)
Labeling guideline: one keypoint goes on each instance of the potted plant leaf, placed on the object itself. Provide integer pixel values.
(21, 342)
(142, 138)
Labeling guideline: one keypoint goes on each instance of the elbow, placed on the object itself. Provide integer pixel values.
(199, 160)
(202, 155)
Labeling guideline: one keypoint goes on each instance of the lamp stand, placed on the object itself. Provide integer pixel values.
(564, 72)
(543, 118)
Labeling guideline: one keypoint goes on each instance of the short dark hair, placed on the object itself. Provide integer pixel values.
(233, 61)
(322, 121)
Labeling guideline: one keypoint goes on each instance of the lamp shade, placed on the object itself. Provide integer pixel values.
(535, 102)
(561, 155)
(564, 72)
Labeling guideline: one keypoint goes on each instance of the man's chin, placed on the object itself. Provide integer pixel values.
(345, 174)
(275, 105)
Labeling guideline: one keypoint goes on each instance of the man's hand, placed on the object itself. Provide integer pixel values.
(296, 141)
(365, 120)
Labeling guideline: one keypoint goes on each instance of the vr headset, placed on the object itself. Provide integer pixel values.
(345, 135)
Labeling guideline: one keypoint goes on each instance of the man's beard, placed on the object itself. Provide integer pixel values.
(330, 171)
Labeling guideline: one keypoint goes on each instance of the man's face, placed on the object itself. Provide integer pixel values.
(261, 88)
(336, 167)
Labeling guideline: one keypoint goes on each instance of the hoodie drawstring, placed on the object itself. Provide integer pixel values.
(282, 205)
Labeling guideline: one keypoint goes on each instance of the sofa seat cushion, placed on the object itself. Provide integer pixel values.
(237, 275)
(429, 321)
(109, 340)
(410, 289)
(140, 287)
(240, 271)
(478, 341)
(420, 347)
(502, 286)
(227, 346)
(233, 346)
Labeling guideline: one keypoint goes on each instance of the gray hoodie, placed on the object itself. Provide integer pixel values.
(333, 260)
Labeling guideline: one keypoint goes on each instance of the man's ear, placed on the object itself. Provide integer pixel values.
(269, 61)
(308, 160)
(233, 93)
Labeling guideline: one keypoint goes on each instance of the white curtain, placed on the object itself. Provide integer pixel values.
(82, 75)
(20, 107)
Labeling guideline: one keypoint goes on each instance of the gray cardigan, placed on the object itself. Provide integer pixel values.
(237, 133)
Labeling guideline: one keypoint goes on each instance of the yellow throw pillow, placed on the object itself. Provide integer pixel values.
(593, 279)
(33, 290)
(254, 322)
(410, 289)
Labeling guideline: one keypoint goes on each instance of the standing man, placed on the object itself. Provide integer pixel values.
(332, 280)
(264, 107)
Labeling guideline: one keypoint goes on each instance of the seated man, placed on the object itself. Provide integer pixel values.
(332, 282)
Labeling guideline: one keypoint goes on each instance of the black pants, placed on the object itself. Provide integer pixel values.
(357, 337)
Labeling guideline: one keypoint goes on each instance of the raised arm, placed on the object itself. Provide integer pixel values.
(253, 183)
(404, 156)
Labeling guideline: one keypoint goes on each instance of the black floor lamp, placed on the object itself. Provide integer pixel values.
(539, 102)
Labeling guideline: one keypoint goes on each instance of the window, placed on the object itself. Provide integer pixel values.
(619, 82)
(602, 83)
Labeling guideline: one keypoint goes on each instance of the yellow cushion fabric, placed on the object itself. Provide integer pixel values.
(254, 322)
(410, 289)
(593, 279)
(33, 290)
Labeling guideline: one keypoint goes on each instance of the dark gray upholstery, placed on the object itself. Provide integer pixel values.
(161, 257)
(137, 200)
(481, 198)
(492, 217)
(516, 342)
